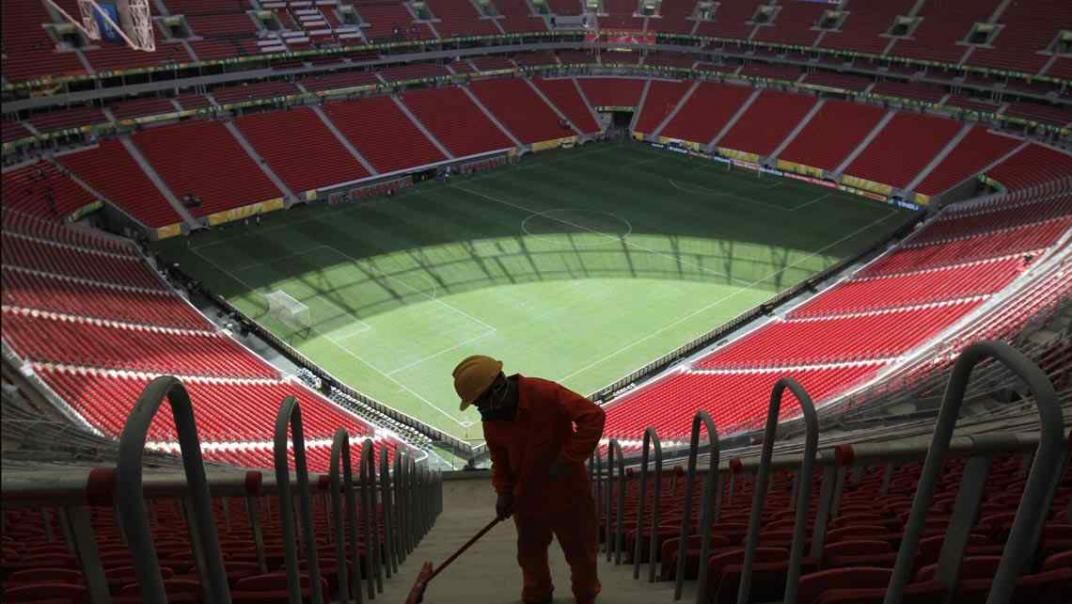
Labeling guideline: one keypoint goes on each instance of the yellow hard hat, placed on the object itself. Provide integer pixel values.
(473, 376)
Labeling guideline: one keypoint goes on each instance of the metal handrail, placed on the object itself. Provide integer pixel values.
(290, 416)
(1038, 490)
(803, 489)
(386, 498)
(614, 451)
(134, 518)
(651, 439)
(709, 504)
(340, 455)
(370, 522)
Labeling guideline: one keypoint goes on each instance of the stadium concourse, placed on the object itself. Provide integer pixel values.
(812, 259)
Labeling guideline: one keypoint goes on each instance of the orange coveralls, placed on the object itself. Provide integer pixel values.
(522, 452)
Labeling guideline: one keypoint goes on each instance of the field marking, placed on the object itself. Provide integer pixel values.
(421, 292)
(622, 239)
(816, 200)
(350, 334)
(709, 191)
(421, 360)
(341, 347)
(729, 296)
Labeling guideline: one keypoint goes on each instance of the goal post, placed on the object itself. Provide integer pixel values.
(287, 310)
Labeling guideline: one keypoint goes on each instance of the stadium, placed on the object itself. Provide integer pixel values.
(795, 277)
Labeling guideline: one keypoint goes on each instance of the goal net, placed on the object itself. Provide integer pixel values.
(288, 311)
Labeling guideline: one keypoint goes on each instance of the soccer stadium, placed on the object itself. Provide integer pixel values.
(537, 301)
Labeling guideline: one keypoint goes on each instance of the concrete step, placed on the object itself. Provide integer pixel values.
(488, 572)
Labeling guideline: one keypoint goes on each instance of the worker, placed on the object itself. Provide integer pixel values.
(539, 435)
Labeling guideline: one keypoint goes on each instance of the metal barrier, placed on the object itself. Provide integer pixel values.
(134, 519)
(340, 455)
(369, 523)
(709, 505)
(386, 496)
(614, 451)
(1038, 491)
(290, 416)
(803, 490)
(651, 438)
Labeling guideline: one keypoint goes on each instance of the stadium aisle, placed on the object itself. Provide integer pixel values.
(488, 572)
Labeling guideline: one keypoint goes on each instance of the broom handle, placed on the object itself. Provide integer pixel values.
(462, 549)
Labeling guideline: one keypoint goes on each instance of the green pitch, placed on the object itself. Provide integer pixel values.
(578, 266)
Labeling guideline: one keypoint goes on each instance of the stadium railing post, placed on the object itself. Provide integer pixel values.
(370, 522)
(253, 487)
(131, 499)
(1038, 491)
(651, 440)
(709, 504)
(803, 492)
(399, 504)
(77, 520)
(340, 462)
(614, 452)
(290, 416)
(391, 560)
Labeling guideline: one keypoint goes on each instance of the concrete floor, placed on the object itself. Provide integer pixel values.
(488, 572)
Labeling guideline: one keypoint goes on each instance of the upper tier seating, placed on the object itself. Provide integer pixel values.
(29, 52)
(566, 7)
(520, 110)
(924, 135)
(1029, 28)
(42, 190)
(845, 81)
(110, 169)
(612, 92)
(63, 339)
(567, 98)
(767, 122)
(736, 400)
(947, 283)
(876, 335)
(222, 174)
(944, 24)
(972, 154)
(383, 134)
(389, 21)
(141, 107)
(707, 111)
(300, 149)
(863, 28)
(226, 412)
(793, 24)
(832, 134)
(674, 17)
(460, 18)
(619, 15)
(663, 97)
(732, 20)
(455, 121)
(518, 18)
(1032, 165)
(42, 255)
(84, 298)
(97, 310)
(1014, 240)
(414, 71)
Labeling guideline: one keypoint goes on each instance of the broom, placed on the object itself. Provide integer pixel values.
(416, 595)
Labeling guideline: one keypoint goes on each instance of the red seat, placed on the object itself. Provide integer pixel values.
(45, 575)
(45, 592)
(813, 585)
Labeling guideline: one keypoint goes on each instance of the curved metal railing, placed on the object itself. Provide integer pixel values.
(290, 416)
(651, 440)
(343, 493)
(709, 505)
(803, 489)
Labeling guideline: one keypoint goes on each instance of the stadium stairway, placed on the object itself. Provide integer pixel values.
(488, 572)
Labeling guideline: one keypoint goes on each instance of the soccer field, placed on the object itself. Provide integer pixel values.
(575, 265)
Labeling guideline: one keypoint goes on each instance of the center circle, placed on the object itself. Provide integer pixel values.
(595, 227)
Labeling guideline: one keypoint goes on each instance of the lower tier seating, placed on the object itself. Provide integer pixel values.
(455, 121)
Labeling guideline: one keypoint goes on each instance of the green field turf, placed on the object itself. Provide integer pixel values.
(576, 265)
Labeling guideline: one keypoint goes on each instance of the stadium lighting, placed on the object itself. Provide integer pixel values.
(135, 15)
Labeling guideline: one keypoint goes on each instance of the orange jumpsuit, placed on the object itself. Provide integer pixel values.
(522, 451)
